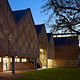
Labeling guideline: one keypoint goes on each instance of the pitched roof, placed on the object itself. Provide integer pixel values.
(19, 14)
(39, 28)
(58, 41)
(49, 36)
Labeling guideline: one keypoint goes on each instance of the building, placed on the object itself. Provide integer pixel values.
(51, 50)
(43, 44)
(46, 46)
(27, 36)
(7, 36)
(66, 50)
(18, 39)
(24, 45)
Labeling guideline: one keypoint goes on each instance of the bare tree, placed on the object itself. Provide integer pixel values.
(66, 13)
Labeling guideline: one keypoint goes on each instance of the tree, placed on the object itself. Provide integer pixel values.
(67, 13)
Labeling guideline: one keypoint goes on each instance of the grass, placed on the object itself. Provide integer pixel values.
(53, 74)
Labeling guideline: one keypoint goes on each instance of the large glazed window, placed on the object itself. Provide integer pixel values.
(43, 56)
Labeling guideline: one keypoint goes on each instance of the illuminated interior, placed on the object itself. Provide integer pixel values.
(24, 60)
(50, 63)
(5, 64)
(17, 59)
(64, 35)
(0, 59)
(43, 56)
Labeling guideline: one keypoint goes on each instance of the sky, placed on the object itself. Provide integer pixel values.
(34, 5)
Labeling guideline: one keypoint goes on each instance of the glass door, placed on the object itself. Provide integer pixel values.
(5, 64)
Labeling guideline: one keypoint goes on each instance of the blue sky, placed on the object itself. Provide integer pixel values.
(34, 5)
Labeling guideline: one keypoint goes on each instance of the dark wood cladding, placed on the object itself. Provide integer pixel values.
(67, 51)
(43, 41)
(67, 55)
(17, 39)
(7, 29)
(27, 37)
(51, 48)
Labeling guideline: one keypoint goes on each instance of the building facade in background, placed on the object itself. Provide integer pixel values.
(51, 50)
(66, 50)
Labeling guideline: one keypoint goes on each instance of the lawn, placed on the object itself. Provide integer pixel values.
(53, 74)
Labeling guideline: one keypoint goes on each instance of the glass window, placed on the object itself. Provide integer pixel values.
(17, 59)
(10, 59)
(0, 59)
(24, 60)
(41, 50)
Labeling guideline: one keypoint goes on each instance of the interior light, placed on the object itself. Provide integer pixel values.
(6, 56)
(0, 59)
(41, 50)
(16, 56)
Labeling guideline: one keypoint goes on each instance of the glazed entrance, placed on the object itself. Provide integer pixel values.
(43, 57)
(5, 64)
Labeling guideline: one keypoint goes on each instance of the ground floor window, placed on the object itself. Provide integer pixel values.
(5, 64)
(17, 59)
(24, 60)
(10, 59)
(43, 56)
(0, 59)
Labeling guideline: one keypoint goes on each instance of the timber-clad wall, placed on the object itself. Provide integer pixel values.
(28, 44)
(21, 39)
(51, 48)
(67, 51)
(7, 30)
(17, 39)
(67, 55)
(22, 66)
(43, 41)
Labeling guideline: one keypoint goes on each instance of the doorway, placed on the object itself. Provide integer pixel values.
(5, 64)
(43, 57)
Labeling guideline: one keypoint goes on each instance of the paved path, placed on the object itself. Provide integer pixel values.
(8, 75)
